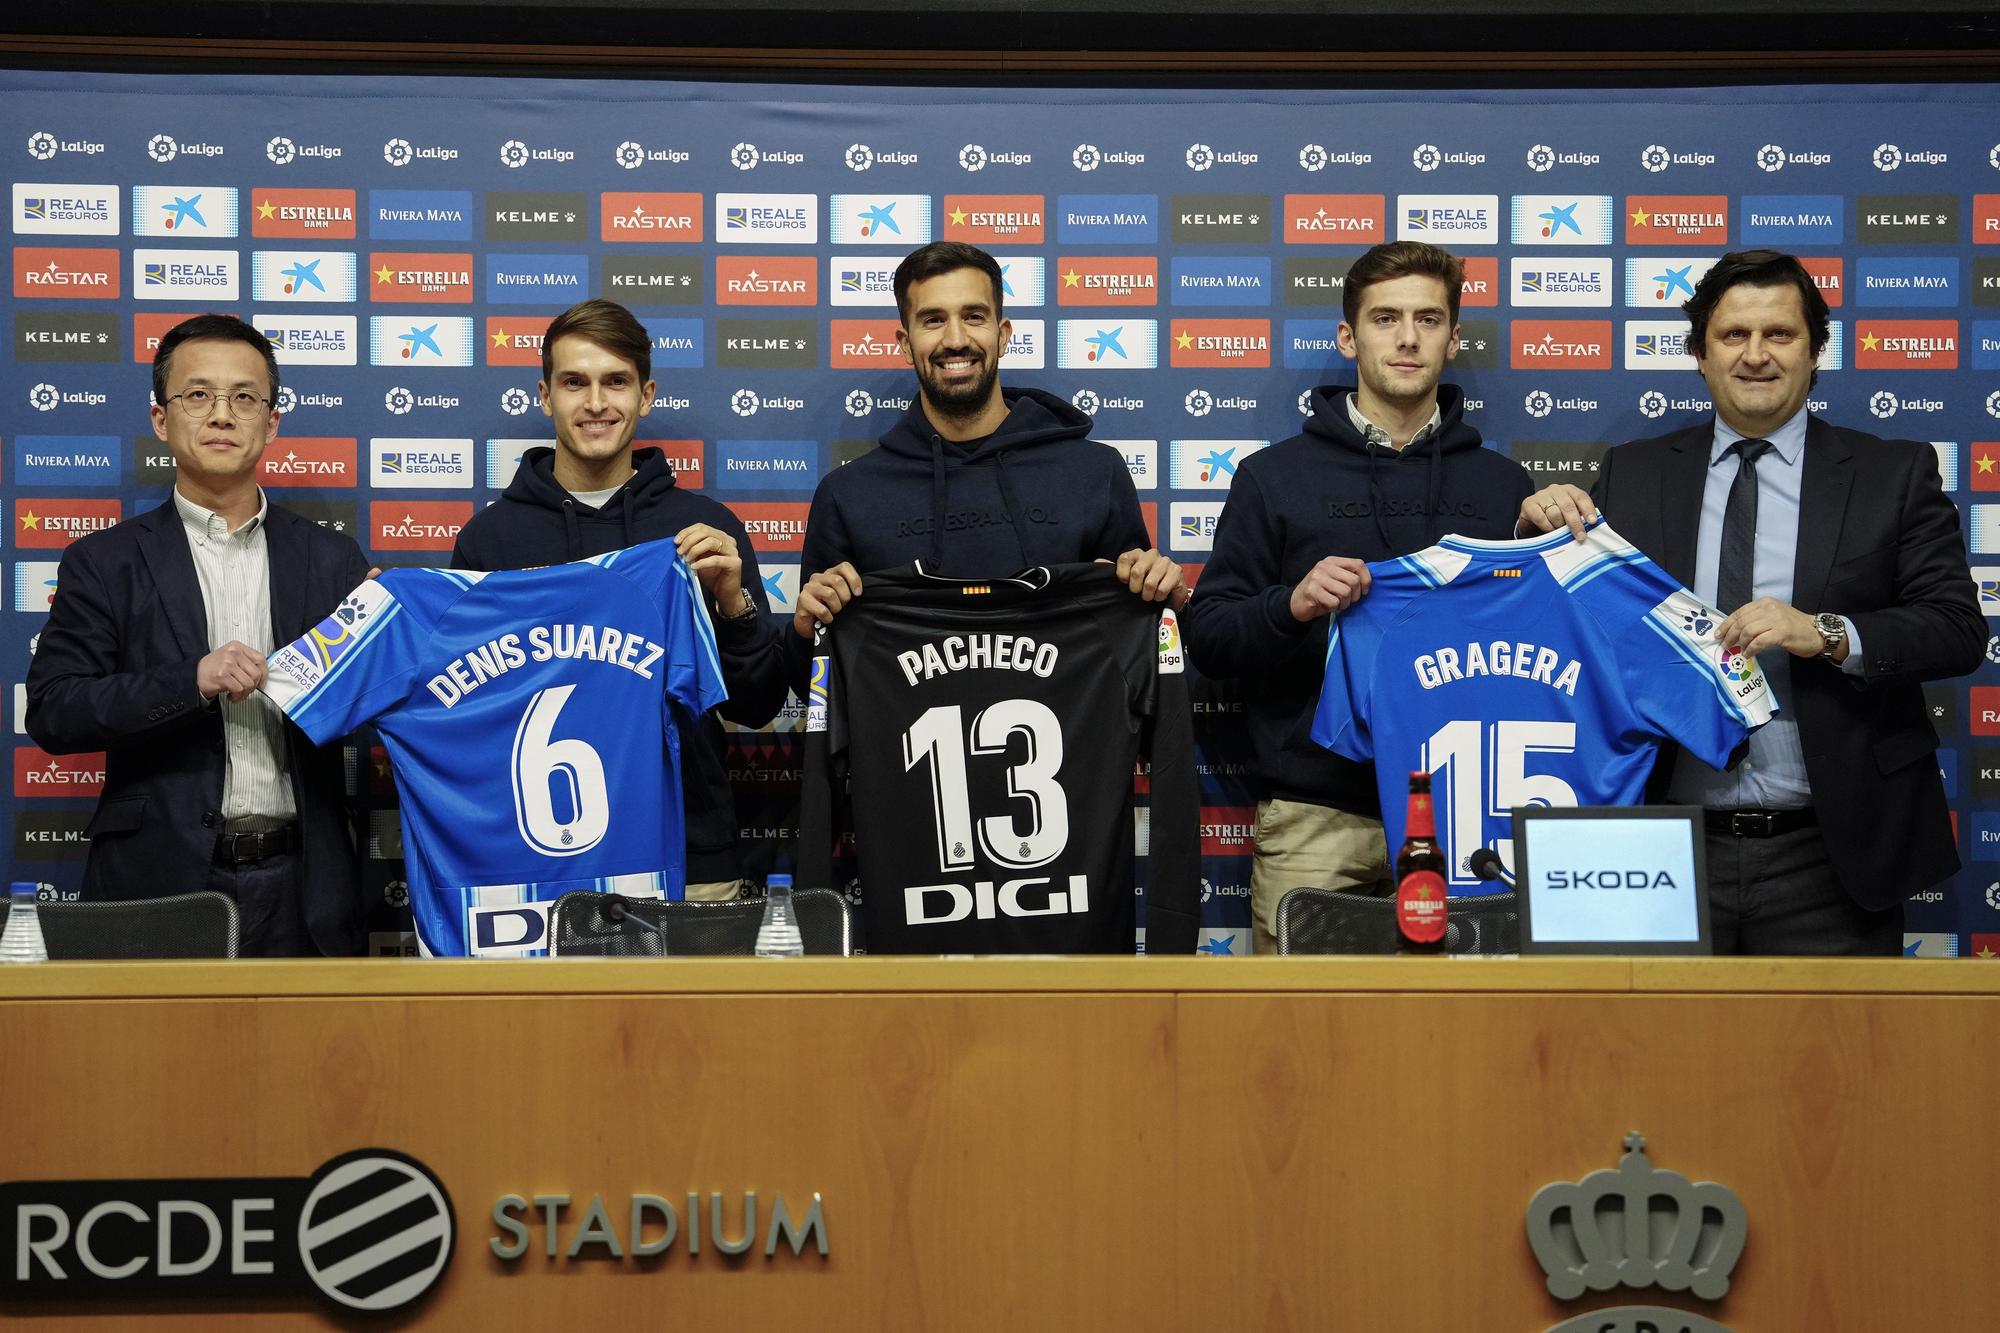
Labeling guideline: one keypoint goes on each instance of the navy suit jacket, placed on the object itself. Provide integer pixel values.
(115, 671)
(1879, 543)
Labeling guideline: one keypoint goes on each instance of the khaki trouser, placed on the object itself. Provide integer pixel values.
(1301, 845)
(716, 891)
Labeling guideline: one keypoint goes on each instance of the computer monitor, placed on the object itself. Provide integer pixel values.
(1612, 880)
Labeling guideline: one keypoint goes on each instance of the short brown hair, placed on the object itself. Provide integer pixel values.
(606, 323)
(1402, 259)
(1756, 268)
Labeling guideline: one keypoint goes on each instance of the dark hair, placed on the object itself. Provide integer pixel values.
(1402, 259)
(936, 259)
(1755, 268)
(221, 328)
(606, 323)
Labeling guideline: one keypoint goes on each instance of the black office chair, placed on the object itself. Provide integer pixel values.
(186, 925)
(581, 927)
(1314, 921)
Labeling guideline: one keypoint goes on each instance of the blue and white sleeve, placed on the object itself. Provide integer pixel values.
(350, 667)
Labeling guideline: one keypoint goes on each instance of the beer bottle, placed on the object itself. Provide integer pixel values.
(1420, 886)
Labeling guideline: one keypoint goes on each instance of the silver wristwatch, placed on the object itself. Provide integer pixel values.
(1831, 631)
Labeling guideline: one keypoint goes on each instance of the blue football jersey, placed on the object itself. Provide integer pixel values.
(528, 716)
(1520, 673)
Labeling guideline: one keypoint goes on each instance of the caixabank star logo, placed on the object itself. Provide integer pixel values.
(371, 1230)
(1640, 1227)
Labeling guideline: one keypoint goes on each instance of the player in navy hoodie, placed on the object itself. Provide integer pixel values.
(1383, 468)
(594, 493)
(975, 481)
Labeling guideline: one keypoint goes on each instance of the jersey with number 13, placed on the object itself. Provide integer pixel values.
(528, 717)
(1537, 672)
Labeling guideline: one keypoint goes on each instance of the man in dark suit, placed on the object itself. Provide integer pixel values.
(154, 651)
(1837, 557)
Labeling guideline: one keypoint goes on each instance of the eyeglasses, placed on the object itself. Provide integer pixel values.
(200, 403)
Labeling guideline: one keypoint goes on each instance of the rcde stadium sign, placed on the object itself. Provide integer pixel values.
(370, 1230)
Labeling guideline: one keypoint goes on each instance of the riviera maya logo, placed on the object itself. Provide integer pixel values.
(1639, 1227)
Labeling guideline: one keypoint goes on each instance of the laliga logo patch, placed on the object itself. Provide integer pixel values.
(1738, 666)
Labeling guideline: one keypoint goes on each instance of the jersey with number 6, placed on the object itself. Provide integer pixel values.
(1537, 672)
(985, 735)
(527, 714)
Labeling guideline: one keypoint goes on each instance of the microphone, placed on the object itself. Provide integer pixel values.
(615, 910)
(1485, 863)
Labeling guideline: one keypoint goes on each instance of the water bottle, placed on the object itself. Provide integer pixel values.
(22, 940)
(778, 932)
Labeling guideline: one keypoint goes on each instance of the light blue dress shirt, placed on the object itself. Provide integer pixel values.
(1773, 773)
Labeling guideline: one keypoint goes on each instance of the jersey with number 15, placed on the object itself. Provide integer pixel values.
(528, 717)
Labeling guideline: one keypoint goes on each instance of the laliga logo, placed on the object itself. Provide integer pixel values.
(162, 148)
(516, 401)
(743, 403)
(288, 399)
(1993, 403)
(1306, 403)
(1313, 157)
(1993, 650)
(396, 893)
(1992, 156)
(1771, 157)
(629, 155)
(1426, 157)
(744, 156)
(1086, 401)
(399, 400)
(42, 146)
(1200, 157)
(1652, 404)
(1541, 157)
(514, 154)
(1539, 404)
(1199, 402)
(972, 157)
(397, 152)
(859, 157)
(1887, 157)
(281, 150)
(860, 403)
(1086, 157)
(45, 397)
(1655, 157)
(1883, 404)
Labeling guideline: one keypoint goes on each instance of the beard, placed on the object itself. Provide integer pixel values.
(963, 400)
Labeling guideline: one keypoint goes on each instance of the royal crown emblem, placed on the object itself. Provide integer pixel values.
(1637, 1226)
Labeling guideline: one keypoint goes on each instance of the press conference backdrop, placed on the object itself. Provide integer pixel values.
(1173, 263)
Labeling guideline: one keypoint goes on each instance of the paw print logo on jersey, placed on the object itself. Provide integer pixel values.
(1698, 622)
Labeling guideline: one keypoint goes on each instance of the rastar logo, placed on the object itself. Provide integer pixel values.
(1560, 344)
(766, 280)
(774, 525)
(417, 525)
(629, 215)
(513, 341)
(41, 271)
(994, 219)
(1906, 344)
(684, 456)
(308, 462)
(1334, 219)
(45, 524)
(1197, 343)
(1827, 273)
(864, 344)
(1109, 280)
(38, 773)
(429, 278)
(326, 215)
(1677, 219)
(1227, 830)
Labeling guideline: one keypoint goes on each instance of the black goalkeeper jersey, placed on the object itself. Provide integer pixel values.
(984, 735)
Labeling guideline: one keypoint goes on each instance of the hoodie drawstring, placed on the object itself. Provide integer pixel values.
(1375, 494)
(1014, 515)
(572, 530)
(1434, 490)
